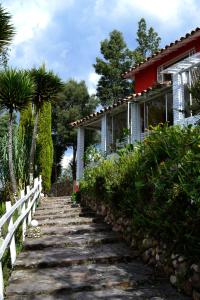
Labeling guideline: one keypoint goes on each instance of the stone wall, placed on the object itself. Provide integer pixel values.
(181, 271)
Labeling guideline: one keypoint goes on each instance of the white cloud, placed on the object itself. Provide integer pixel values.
(33, 16)
(168, 13)
(92, 81)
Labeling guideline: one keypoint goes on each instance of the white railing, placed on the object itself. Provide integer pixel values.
(24, 208)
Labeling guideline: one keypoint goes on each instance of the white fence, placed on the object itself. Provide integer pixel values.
(24, 208)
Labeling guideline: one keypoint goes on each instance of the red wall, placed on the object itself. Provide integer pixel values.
(148, 76)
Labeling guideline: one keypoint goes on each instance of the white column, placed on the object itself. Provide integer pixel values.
(178, 98)
(135, 122)
(80, 153)
(104, 136)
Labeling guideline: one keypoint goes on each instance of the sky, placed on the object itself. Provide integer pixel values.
(66, 34)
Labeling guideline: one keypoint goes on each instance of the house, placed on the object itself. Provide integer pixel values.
(161, 95)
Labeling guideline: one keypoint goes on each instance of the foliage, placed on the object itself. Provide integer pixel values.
(73, 103)
(48, 85)
(117, 59)
(157, 185)
(45, 146)
(25, 137)
(75, 196)
(19, 160)
(16, 89)
(148, 40)
(7, 32)
(92, 155)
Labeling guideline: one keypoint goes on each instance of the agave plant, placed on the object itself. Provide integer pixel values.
(48, 85)
(16, 90)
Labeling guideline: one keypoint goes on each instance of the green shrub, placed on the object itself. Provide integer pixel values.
(157, 185)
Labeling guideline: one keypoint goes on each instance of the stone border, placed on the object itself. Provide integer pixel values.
(183, 274)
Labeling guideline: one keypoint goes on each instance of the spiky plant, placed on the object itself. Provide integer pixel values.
(16, 90)
(7, 32)
(48, 85)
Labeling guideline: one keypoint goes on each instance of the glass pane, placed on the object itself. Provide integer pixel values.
(156, 111)
(119, 123)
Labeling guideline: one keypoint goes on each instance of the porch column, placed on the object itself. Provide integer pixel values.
(80, 153)
(178, 98)
(135, 122)
(104, 136)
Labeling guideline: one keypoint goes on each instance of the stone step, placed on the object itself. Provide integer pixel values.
(77, 278)
(68, 210)
(64, 215)
(61, 257)
(68, 221)
(90, 239)
(53, 208)
(71, 229)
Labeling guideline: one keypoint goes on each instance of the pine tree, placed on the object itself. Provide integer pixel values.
(117, 59)
(148, 40)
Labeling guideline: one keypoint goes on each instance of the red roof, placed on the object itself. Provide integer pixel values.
(163, 52)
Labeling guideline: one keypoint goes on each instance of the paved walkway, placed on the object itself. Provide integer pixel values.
(73, 254)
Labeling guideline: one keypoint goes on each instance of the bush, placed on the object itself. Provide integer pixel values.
(157, 185)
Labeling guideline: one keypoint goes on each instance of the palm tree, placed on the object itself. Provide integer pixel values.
(48, 85)
(6, 33)
(16, 90)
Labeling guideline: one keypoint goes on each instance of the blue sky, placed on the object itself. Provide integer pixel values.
(66, 34)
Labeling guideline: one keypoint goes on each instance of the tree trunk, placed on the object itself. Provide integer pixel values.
(10, 154)
(33, 147)
(74, 163)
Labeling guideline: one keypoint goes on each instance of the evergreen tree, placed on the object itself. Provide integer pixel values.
(47, 85)
(73, 103)
(117, 59)
(148, 40)
(44, 157)
(25, 136)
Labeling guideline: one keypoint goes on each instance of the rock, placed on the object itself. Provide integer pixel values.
(196, 280)
(147, 243)
(182, 268)
(195, 267)
(187, 288)
(152, 261)
(196, 295)
(181, 259)
(175, 263)
(173, 279)
(34, 223)
(168, 270)
(174, 256)
(146, 256)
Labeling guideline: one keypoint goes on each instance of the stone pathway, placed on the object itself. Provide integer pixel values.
(73, 254)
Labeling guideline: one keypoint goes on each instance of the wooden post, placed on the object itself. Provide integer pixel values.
(25, 219)
(29, 203)
(36, 185)
(1, 283)
(12, 243)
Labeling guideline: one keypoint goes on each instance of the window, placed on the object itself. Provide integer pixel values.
(189, 77)
(158, 110)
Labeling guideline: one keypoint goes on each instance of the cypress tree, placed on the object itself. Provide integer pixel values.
(44, 148)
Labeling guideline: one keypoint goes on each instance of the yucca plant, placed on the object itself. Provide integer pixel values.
(16, 90)
(48, 85)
